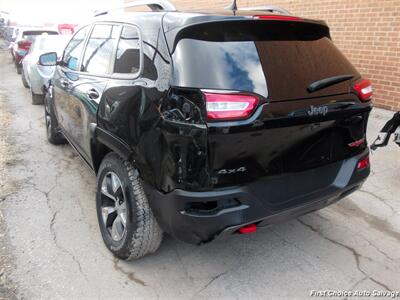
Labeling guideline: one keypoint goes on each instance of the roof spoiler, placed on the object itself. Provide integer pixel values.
(154, 5)
(268, 8)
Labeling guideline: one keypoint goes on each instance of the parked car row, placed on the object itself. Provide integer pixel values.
(203, 124)
(26, 44)
(23, 41)
(35, 76)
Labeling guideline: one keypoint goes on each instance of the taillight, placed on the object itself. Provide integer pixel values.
(364, 90)
(229, 106)
(278, 17)
(24, 44)
(363, 163)
(357, 143)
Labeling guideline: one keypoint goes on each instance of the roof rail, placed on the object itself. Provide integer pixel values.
(270, 8)
(154, 5)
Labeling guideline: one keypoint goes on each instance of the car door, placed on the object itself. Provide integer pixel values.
(65, 77)
(87, 88)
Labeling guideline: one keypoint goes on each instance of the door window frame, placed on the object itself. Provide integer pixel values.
(111, 60)
(141, 56)
(88, 26)
(111, 75)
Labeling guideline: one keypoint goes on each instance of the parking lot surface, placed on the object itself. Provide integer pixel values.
(51, 247)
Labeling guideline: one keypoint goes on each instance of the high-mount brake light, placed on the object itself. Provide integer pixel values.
(364, 90)
(277, 17)
(229, 106)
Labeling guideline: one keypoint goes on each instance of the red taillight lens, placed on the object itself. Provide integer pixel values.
(277, 17)
(357, 143)
(364, 90)
(363, 163)
(24, 44)
(229, 106)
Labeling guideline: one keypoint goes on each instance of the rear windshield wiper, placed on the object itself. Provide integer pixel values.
(323, 83)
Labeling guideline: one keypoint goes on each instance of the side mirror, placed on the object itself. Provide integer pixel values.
(48, 59)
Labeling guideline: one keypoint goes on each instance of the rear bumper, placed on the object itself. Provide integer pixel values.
(36, 81)
(198, 217)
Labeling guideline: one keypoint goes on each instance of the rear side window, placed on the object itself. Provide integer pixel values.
(100, 49)
(128, 57)
(74, 49)
(219, 65)
(275, 59)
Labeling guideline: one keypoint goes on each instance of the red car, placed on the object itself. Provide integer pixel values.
(66, 28)
(23, 42)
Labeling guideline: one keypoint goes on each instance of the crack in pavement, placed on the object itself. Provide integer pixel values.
(380, 199)
(380, 251)
(212, 280)
(355, 285)
(356, 255)
(52, 223)
(349, 208)
(55, 240)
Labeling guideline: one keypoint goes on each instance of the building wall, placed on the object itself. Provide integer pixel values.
(367, 31)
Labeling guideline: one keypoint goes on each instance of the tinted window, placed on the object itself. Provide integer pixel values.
(250, 56)
(293, 65)
(219, 65)
(100, 48)
(74, 49)
(127, 60)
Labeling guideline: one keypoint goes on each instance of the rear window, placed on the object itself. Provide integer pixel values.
(31, 35)
(275, 59)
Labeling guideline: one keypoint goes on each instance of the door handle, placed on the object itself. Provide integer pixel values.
(93, 94)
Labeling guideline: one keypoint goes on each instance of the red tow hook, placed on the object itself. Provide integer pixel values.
(248, 229)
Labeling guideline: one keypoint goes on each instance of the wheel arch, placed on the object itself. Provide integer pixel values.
(104, 142)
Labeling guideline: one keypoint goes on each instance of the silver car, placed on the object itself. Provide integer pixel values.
(34, 76)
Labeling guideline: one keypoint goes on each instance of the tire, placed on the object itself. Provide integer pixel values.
(24, 82)
(141, 234)
(18, 68)
(54, 136)
(37, 99)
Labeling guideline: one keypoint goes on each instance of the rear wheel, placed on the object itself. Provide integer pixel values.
(18, 68)
(126, 221)
(24, 82)
(54, 136)
(36, 98)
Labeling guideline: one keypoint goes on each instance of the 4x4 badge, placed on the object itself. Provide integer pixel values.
(232, 171)
(318, 111)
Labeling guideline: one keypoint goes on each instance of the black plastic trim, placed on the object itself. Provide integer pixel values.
(114, 143)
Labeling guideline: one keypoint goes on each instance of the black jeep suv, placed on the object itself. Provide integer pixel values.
(207, 123)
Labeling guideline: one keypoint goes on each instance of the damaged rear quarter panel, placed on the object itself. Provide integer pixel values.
(169, 152)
